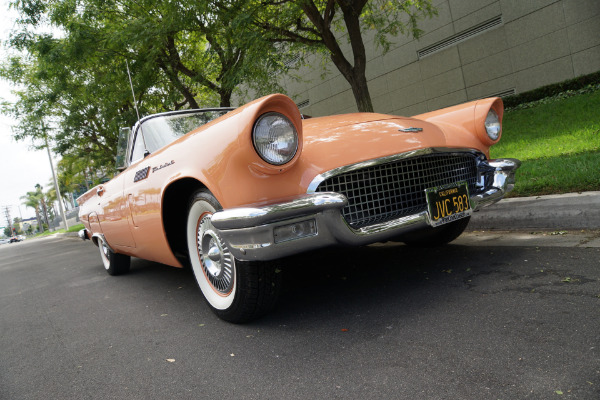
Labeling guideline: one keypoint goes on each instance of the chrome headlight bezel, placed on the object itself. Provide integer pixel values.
(493, 127)
(275, 138)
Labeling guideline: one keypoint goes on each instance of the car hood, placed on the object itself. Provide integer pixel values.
(330, 142)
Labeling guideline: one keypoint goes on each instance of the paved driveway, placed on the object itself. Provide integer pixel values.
(495, 320)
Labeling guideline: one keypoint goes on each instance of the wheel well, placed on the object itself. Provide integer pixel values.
(174, 214)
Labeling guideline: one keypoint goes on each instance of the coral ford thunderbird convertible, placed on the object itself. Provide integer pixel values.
(228, 191)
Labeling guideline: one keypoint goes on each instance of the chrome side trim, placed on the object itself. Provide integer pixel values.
(312, 187)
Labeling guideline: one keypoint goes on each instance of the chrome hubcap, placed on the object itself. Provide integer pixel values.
(217, 261)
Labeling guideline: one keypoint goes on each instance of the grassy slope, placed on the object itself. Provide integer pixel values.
(558, 143)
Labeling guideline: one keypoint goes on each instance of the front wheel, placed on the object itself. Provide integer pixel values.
(439, 236)
(114, 263)
(236, 291)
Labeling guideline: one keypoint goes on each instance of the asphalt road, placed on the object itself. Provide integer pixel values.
(504, 318)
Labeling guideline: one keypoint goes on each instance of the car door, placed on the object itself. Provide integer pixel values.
(115, 219)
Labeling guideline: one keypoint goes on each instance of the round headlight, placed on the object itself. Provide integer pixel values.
(492, 125)
(275, 138)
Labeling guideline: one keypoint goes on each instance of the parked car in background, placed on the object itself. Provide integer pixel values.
(228, 192)
(4, 241)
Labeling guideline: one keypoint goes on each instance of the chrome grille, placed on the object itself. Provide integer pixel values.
(388, 191)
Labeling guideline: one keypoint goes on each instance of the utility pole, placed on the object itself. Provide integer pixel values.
(8, 220)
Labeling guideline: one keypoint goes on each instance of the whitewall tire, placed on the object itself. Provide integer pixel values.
(237, 291)
(114, 263)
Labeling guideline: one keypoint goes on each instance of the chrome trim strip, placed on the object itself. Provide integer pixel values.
(312, 187)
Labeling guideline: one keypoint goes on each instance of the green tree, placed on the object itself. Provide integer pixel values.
(202, 50)
(75, 87)
(33, 199)
(322, 25)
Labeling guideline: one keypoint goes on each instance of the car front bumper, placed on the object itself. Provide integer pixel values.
(314, 221)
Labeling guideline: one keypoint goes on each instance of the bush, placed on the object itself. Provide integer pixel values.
(552, 90)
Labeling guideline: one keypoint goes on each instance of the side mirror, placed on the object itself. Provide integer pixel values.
(121, 160)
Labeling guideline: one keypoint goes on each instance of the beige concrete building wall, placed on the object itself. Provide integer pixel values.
(481, 48)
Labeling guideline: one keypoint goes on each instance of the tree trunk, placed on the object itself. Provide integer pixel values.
(45, 210)
(360, 89)
(354, 73)
(358, 81)
(225, 97)
(40, 227)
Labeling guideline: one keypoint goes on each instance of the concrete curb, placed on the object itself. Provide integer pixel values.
(571, 211)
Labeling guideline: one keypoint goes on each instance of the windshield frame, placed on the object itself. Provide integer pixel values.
(137, 128)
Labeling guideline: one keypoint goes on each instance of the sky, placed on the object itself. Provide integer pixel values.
(21, 168)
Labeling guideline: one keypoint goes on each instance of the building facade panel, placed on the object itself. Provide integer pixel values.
(443, 84)
(492, 88)
(400, 57)
(449, 99)
(483, 46)
(541, 50)
(587, 61)
(489, 68)
(584, 34)
(544, 74)
(404, 76)
(440, 62)
(408, 96)
(580, 10)
(473, 49)
(483, 14)
(463, 8)
(523, 9)
(532, 26)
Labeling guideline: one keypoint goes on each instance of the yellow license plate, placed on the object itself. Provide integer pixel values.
(448, 203)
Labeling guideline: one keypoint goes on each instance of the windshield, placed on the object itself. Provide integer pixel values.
(158, 131)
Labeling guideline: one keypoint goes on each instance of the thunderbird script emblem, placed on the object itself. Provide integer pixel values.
(411, 130)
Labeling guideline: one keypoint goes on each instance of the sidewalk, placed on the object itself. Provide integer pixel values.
(571, 211)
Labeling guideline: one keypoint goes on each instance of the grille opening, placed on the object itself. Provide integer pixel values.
(460, 37)
(304, 103)
(388, 191)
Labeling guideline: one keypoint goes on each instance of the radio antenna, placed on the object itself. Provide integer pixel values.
(132, 91)
(146, 152)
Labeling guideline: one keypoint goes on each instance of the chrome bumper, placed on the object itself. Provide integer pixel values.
(84, 234)
(251, 232)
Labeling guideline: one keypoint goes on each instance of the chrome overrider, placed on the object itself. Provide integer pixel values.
(83, 234)
(250, 231)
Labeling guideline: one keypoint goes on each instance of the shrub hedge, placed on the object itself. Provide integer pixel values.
(552, 90)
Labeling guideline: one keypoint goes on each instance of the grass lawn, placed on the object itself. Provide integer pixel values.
(558, 143)
(74, 228)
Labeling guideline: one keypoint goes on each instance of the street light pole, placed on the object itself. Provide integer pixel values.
(60, 206)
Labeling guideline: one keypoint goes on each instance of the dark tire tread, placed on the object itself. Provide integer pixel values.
(433, 237)
(261, 286)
